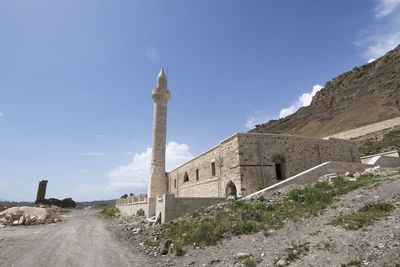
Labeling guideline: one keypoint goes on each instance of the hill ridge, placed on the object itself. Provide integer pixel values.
(364, 95)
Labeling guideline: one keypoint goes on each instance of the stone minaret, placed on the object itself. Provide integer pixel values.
(158, 177)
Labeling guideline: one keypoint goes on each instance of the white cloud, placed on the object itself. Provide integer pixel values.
(134, 176)
(385, 7)
(97, 154)
(1, 114)
(152, 54)
(257, 117)
(304, 100)
(371, 60)
(384, 33)
(98, 135)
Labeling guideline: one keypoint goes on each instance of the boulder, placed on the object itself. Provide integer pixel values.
(140, 212)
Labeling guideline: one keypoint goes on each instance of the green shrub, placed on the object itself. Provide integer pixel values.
(109, 212)
(178, 249)
(297, 250)
(246, 261)
(354, 263)
(364, 216)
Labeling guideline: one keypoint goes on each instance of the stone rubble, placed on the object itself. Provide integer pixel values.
(29, 216)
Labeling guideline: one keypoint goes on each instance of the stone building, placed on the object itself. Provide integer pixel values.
(247, 162)
(238, 166)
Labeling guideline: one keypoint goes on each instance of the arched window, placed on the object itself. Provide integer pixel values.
(213, 168)
(230, 189)
(186, 177)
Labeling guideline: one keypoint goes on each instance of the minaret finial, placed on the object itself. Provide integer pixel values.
(162, 79)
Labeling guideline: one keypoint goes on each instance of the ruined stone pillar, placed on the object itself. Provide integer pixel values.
(158, 177)
(41, 193)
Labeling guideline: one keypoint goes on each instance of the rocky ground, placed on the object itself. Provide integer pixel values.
(311, 241)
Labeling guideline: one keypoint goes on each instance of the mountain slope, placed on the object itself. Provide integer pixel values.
(364, 95)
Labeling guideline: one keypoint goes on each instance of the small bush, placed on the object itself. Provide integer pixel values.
(354, 263)
(109, 212)
(364, 216)
(297, 250)
(178, 249)
(246, 261)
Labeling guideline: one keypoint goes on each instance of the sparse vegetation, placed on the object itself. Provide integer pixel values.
(353, 263)
(124, 196)
(151, 243)
(296, 251)
(324, 245)
(365, 216)
(109, 212)
(378, 142)
(251, 217)
(246, 261)
(64, 210)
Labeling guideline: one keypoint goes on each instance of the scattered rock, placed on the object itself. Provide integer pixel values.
(281, 262)
(164, 249)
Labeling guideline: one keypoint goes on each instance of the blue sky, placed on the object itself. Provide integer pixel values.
(76, 80)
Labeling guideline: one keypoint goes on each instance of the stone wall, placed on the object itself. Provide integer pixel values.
(172, 207)
(131, 205)
(250, 161)
(312, 175)
(131, 209)
(262, 154)
(196, 178)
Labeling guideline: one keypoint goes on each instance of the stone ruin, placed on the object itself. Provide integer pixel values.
(41, 193)
(29, 216)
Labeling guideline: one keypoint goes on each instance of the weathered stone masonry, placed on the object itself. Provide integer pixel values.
(249, 162)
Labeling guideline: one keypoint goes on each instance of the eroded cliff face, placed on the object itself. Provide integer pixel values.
(364, 95)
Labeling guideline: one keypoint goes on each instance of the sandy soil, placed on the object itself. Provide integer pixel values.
(82, 240)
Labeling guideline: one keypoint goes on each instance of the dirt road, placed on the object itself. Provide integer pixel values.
(82, 240)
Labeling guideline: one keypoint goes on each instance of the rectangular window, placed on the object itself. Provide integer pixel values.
(175, 183)
(197, 174)
(278, 171)
(213, 168)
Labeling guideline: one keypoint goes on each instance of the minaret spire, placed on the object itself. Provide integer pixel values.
(158, 177)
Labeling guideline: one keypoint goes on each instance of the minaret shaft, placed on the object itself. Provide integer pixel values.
(158, 178)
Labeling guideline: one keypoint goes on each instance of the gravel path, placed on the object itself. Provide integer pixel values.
(82, 240)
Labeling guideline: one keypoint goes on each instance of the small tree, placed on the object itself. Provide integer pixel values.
(124, 196)
(131, 194)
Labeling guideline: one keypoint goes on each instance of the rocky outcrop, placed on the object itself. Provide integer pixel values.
(65, 203)
(364, 95)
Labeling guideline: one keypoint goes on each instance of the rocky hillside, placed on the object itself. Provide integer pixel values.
(352, 220)
(364, 95)
(380, 141)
